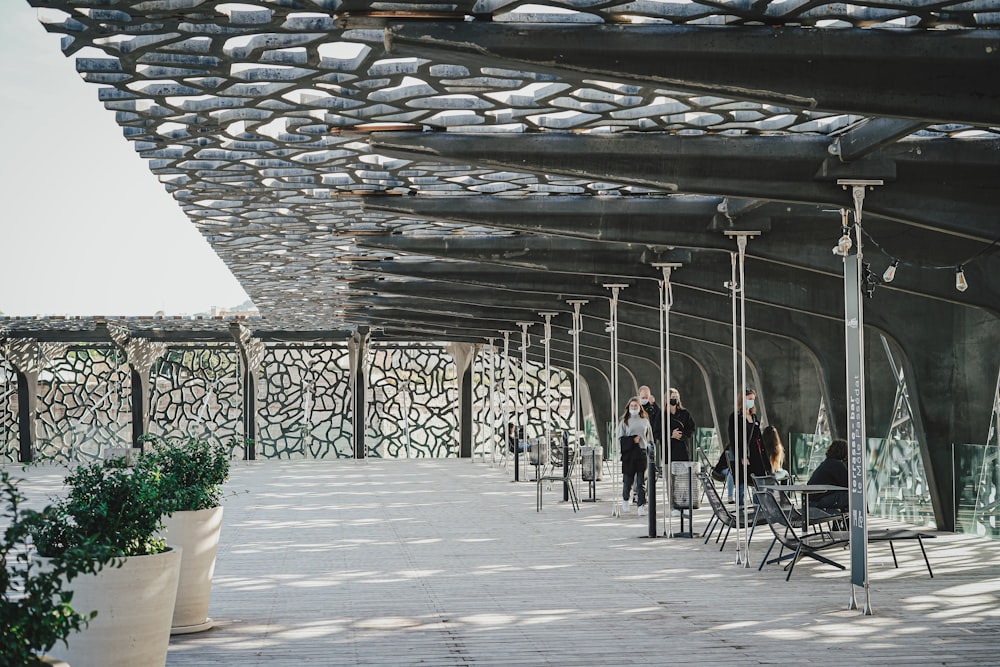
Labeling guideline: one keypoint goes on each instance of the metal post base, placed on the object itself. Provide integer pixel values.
(867, 611)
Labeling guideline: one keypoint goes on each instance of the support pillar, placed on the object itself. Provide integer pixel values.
(547, 339)
(505, 415)
(26, 402)
(854, 329)
(491, 398)
(25, 357)
(465, 438)
(614, 448)
(740, 467)
(464, 355)
(140, 399)
(666, 303)
(521, 394)
(577, 403)
(140, 354)
(251, 357)
(359, 386)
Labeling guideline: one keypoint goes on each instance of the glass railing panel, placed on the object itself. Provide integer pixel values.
(977, 490)
(897, 483)
(803, 452)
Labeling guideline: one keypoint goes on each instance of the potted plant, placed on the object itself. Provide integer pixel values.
(118, 510)
(192, 472)
(35, 607)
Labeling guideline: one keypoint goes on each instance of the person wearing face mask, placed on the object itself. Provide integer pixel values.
(634, 435)
(746, 440)
(652, 410)
(681, 427)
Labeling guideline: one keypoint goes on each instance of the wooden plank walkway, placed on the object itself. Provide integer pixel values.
(446, 562)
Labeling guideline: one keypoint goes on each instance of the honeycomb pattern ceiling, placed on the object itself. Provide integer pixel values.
(254, 115)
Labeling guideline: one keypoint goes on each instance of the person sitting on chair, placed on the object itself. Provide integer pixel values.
(831, 471)
(515, 438)
(775, 452)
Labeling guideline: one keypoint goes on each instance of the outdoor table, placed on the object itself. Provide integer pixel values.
(806, 490)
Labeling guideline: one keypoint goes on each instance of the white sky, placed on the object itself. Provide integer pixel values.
(85, 227)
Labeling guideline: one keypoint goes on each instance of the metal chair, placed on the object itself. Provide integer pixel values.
(817, 517)
(567, 481)
(808, 545)
(721, 516)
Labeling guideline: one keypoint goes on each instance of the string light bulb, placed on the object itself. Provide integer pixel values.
(961, 284)
(844, 244)
(890, 272)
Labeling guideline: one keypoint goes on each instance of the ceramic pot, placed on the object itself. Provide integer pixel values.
(134, 605)
(197, 533)
(48, 661)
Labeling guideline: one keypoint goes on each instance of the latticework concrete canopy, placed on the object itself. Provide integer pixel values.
(251, 114)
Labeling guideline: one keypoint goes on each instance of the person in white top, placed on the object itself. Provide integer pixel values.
(634, 435)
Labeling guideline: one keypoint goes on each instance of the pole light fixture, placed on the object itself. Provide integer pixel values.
(741, 471)
(613, 446)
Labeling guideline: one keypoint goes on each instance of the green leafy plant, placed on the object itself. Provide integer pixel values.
(191, 471)
(110, 504)
(35, 610)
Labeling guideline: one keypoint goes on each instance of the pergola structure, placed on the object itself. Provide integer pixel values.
(442, 171)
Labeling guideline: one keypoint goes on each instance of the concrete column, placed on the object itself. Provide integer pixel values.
(464, 355)
(252, 356)
(465, 418)
(23, 355)
(141, 354)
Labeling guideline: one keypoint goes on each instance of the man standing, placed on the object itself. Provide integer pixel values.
(655, 419)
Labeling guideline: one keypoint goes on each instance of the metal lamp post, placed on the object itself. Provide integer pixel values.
(613, 446)
(575, 333)
(741, 469)
(506, 395)
(521, 394)
(854, 323)
(547, 339)
(666, 303)
(492, 404)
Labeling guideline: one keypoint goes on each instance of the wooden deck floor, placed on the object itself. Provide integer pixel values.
(447, 563)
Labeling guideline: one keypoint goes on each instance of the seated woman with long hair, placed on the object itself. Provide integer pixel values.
(775, 452)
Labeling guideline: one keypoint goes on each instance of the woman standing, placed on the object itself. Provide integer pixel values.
(746, 440)
(681, 427)
(634, 434)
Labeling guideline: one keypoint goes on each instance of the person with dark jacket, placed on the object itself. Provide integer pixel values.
(634, 436)
(655, 415)
(681, 428)
(833, 470)
(648, 403)
(746, 441)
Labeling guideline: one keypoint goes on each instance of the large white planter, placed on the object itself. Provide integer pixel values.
(197, 533)
(134, 605)
(47, 661)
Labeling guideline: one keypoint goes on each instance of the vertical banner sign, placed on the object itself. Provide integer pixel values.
(854, 327)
